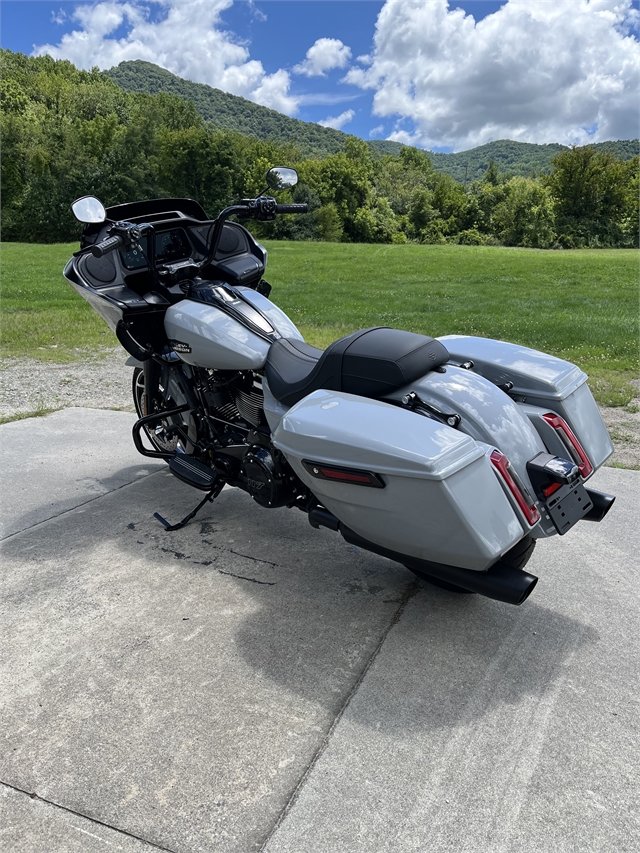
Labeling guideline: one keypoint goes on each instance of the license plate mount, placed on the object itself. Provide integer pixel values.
(567, 506)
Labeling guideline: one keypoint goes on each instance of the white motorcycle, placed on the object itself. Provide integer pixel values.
(451, 456)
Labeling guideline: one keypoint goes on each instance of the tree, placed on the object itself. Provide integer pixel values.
(492, 175)
(525, 217)
(590, 191)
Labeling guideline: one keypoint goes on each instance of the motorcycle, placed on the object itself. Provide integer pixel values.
(451, 456)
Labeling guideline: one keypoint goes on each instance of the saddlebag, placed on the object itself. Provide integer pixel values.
(399, 479)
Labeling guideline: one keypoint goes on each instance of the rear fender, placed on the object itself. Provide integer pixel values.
(487, 414)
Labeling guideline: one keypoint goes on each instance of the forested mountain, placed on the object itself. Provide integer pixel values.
(516, 158)
(230, 112)
(68, 133)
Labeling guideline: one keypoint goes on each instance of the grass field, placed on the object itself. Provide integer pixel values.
(580, 305)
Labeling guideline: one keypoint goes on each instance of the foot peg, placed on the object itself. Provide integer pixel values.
(192, 472)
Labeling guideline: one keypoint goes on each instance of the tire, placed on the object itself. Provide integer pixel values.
(520, 554)
(165, 445)
(516, 558)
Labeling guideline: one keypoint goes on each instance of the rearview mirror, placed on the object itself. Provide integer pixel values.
(281, 178)
(89, 209)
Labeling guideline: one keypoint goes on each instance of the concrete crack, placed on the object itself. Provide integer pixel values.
(243, 578)
(411, 590)
(33, 796)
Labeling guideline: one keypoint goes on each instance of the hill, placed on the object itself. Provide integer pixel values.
(516, 158)
(231, 112)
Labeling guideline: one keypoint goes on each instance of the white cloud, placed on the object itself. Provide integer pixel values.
(338, 122)
(377, 131)
(327, 98)
(186, 38)
(322, 56)
(563, 71)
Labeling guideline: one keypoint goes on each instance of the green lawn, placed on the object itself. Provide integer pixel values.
(580, 305)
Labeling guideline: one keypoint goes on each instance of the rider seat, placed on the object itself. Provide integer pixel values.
(370, 363)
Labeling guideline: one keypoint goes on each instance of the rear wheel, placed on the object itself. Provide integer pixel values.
(156, 432)
(516, 558)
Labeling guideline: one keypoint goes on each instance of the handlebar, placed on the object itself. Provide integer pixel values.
(292, 208)
(99, 250)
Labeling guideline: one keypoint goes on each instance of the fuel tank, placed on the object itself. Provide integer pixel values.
(234, 335)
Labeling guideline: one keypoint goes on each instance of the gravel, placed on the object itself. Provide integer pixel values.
(29, 386)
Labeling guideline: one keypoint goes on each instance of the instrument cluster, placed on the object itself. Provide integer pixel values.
(171, 246)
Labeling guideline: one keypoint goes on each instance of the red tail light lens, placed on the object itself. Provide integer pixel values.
(551, 489)
(568, 438)
(347, 476)
(503, 466)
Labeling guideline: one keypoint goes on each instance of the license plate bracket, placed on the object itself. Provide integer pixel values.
(567, 506)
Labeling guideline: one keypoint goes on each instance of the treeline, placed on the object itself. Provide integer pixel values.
(67, 133)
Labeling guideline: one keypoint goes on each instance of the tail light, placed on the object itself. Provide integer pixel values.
(511, 480)
(568, 438)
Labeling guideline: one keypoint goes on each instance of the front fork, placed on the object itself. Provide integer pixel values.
(151, 372)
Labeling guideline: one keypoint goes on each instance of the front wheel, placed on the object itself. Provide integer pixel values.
(516, 558)
(157, 435)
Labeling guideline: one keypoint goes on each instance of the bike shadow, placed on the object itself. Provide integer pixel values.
(300, 609)
(324, 611)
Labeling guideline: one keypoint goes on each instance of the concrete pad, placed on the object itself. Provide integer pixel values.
(177, 686)
(486, 728)
(55, 463)
(31, 824)
(182, 690)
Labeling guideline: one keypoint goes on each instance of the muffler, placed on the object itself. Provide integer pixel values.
(602, 503)
(500, 582)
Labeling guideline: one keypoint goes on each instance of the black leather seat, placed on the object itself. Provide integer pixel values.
(370, 363)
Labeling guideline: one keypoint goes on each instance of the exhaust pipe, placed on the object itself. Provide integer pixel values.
(602, 503)
(500, 582)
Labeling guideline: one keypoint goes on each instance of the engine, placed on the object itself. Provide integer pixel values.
(232, 395)
(235, 403)
(269, 480)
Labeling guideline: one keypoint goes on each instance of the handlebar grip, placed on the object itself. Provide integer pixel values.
(292, 208)
(98, 250)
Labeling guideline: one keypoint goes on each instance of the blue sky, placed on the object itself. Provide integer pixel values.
(438, 74)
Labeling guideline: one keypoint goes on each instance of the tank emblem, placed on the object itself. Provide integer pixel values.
(179, 346)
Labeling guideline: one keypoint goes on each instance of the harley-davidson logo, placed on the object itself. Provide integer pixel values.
(179, 346)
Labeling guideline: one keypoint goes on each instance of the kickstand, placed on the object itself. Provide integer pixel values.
(213, 494)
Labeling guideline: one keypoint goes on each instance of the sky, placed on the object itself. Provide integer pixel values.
(445, 75)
